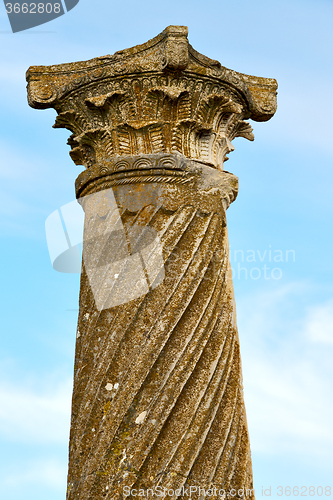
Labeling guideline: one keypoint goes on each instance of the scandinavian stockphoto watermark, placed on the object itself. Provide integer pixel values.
(24, 15)
(228, 494)
(123, 260)
(187, 492)
(264, 264)
(123, 255)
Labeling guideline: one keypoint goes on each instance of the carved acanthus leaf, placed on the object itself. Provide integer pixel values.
(72, 121)
(245, 130)
(223, 102)
(172, 93)
(92, 137)
(100, 100)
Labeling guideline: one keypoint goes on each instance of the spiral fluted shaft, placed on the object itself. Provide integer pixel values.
(158, 400)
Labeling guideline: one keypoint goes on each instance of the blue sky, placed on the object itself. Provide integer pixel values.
(285, 204)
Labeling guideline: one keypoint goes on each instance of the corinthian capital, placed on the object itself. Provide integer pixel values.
(159, 97)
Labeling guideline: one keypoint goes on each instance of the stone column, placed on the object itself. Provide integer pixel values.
(158, 398)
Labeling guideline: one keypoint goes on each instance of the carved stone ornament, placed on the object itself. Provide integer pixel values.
(158, 399)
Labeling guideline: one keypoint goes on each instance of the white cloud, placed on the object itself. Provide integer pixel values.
(49, 473)
(287, 363)
(32, 416)
(319, 327)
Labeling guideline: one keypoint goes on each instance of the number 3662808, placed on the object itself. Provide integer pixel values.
(33, 8)
(304, 491)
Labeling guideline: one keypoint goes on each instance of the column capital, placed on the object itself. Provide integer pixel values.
(158, 97)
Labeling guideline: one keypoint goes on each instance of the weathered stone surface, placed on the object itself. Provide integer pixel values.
(158, 399)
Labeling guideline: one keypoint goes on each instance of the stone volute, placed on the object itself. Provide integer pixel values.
(157, 401)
